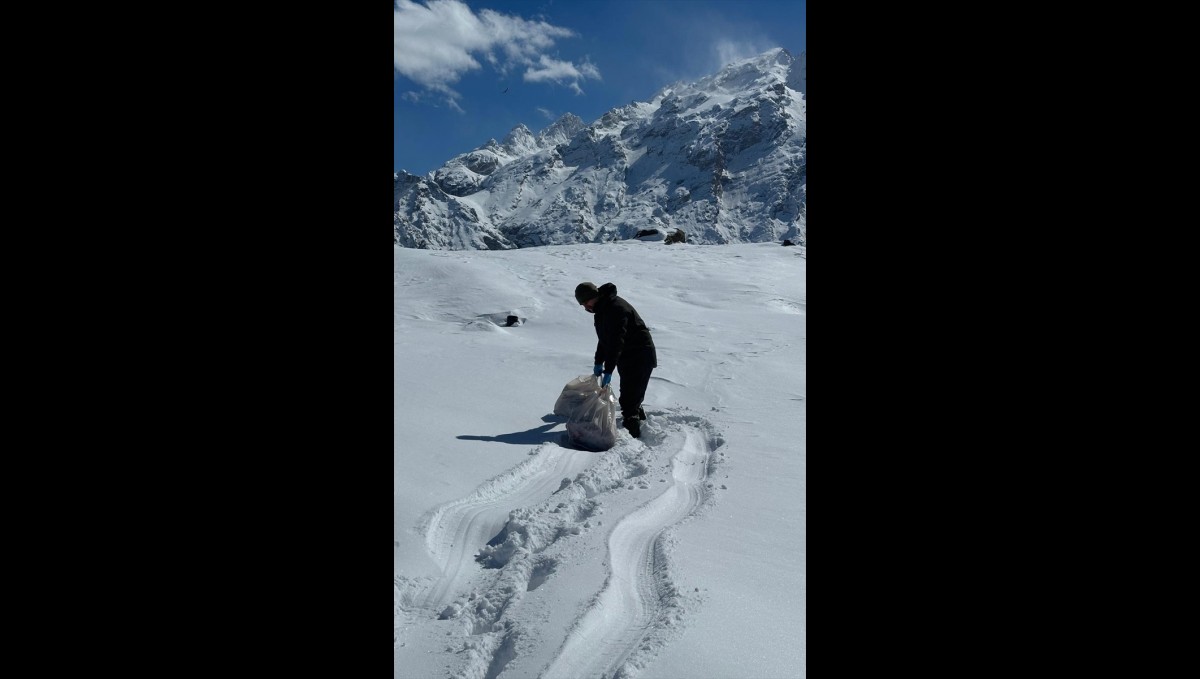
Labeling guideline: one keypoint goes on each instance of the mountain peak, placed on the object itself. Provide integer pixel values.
(722, 158)
(764, 70)
(520, 140)
(561, 130)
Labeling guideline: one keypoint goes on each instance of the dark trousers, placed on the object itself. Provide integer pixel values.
(635, 375)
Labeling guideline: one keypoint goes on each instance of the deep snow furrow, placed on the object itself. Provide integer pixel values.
(491, 638)
(608, 635)
(455, 531)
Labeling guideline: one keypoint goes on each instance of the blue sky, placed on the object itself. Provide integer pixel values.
(454, 59)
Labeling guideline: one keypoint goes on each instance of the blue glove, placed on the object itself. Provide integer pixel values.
(597, 369)
(605, 380)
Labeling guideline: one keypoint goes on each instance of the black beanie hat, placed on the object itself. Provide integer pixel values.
(586, 291)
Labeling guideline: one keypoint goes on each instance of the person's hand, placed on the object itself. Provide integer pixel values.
(597, 369)
(605, 380)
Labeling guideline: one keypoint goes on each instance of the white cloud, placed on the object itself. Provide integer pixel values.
(437, 42)
(550, 115)
(588, 69)
(551, 69)
(728, 51)
(562, 72)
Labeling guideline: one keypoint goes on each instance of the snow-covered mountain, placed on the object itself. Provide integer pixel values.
(722, 159)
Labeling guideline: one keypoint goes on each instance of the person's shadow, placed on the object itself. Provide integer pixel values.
(529, 437)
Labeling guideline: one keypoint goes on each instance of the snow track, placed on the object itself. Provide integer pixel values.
(454, 532)
(623, 619)
(518, 532)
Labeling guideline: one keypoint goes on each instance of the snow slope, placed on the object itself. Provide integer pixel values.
(681, 554)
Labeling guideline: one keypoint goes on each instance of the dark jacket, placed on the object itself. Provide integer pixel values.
(624, 338)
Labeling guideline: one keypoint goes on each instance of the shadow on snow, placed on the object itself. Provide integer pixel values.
(529, 437)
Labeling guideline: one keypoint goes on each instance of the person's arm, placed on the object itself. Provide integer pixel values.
(616, 341)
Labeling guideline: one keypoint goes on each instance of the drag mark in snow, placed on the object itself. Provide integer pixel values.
(455, 531)
(528, 509)
(624, 625)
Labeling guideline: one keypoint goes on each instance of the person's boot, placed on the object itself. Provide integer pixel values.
(634, 425)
